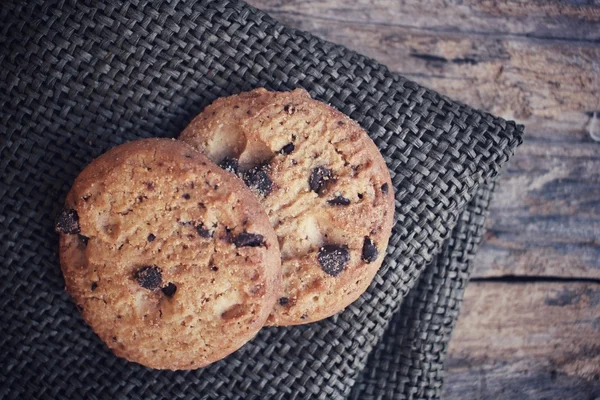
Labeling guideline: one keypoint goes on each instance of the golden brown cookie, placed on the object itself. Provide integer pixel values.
(323, 183)
(171, 260)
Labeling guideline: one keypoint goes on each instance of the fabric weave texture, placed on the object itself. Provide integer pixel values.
(79, 77)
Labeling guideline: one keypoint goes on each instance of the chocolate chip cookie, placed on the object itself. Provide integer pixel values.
(171, 260)
(323, 183)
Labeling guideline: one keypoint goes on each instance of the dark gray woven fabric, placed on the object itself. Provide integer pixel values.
(408, 361)
(78, 77)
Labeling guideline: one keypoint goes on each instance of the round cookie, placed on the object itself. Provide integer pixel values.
(171, 260)
(323, 183)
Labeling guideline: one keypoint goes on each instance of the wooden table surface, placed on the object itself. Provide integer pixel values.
(530, 323)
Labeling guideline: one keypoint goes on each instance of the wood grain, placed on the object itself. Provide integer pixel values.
(544, 19)
(526, 341)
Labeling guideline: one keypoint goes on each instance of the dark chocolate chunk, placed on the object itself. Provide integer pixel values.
(283, 301)
(94, 286)
(333, 258)
(230, 164)
(151, 237)
(68, 222)
(319, 179)
(203, 231)
(246, 239)
(258, 178)
(83, 239)
(369, 251)
(384, 188)
(169, 290)
(187, 196)
(339, 201)
(289, 108)
(287, 149)
(149, 277)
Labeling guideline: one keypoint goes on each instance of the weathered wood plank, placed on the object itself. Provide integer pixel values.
(545, 216)
(544, 19)
(512, 78)
(526, 341)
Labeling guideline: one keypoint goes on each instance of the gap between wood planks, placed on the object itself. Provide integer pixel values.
(533, 278)
(487, 34)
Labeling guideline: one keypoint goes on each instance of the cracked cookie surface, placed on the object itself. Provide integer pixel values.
(170, 259)
(323, 184)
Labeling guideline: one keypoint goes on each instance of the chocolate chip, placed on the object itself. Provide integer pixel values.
(68, 222)
(369, 251)
(83, 239)
(203, 231)
(246, 239)
(283, 301)
(360, 196)
(187, 196)
(148, 277)
(339, 201)
(289, 108)
(149, 185)
(228, 237)
(384, 188)
(258, 178)
(319, 179)
(287, 149)
(304, 316)
(187, 155)
(94, 286)
(151, 237)
(169, 290)
(230, 164)
(214, 268)
(333, 258)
